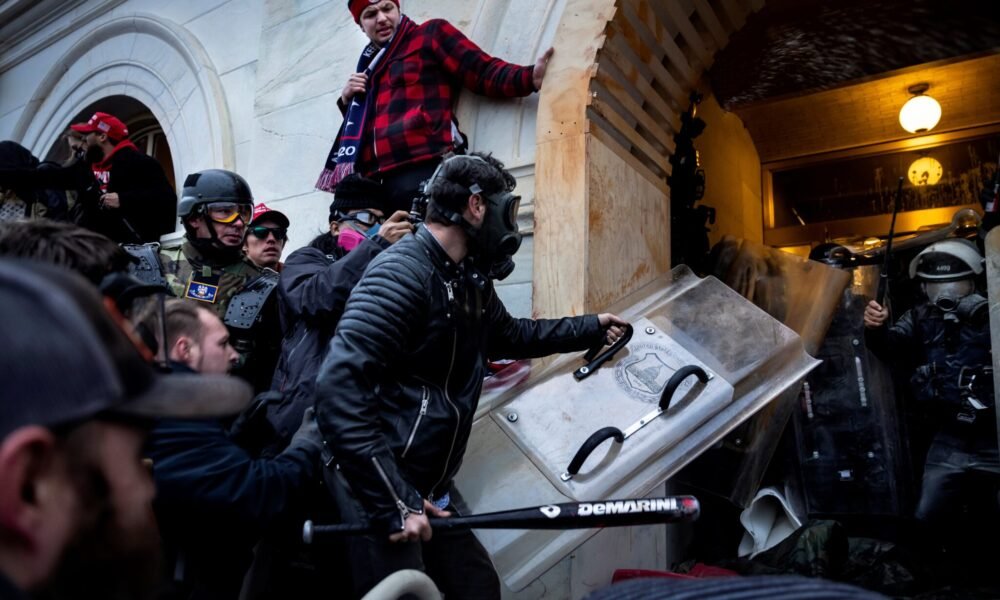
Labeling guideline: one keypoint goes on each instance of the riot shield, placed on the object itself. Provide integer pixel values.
(992, 252)
(851, 459)
(802, 294)
(722, 358)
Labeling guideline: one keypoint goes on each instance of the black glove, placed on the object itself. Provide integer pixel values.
(307, 437)
(252, 429)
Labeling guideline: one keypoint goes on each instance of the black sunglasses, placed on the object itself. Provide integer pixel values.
(260, 232)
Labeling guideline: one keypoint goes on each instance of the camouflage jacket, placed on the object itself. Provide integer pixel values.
(184, 266)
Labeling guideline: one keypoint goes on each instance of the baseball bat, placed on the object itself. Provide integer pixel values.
(569, 515)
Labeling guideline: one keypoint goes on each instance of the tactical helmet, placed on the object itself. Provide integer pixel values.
(212, 185)
(947, 260)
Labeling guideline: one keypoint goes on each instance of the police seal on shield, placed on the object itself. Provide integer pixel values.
(644, 373)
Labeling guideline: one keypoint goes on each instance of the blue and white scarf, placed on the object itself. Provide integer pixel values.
(343, 155)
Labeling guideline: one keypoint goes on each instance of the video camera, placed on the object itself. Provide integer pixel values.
(418, 206)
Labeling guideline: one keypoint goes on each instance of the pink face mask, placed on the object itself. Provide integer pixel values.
(349, 239)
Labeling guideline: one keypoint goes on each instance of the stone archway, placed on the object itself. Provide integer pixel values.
(612, 100)
(152, 60)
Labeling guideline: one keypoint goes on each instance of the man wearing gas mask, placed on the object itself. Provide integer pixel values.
(947, 341)
(398, 389)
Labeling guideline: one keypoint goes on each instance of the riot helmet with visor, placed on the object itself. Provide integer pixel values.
(946, 270)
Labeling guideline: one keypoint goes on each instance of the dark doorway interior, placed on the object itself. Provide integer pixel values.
(144, 130)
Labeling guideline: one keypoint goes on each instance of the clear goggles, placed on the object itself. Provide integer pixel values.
(364, 217)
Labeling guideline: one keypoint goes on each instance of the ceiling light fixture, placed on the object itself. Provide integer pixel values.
(925, 171)
(921, 112)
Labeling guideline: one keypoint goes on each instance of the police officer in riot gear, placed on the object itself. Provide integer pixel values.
(947, 341)
(209, 267)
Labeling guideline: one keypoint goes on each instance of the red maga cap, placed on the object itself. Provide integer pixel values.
(260, 211)
(103, 123)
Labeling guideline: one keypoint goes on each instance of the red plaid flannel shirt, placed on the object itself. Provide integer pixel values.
(416, 93)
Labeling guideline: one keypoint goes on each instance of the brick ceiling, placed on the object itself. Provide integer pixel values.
(868, 112)
(794, 47)
(814, 76)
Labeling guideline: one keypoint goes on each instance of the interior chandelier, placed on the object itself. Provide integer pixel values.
(921, 112)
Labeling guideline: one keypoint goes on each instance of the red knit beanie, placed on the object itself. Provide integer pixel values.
(358, 6)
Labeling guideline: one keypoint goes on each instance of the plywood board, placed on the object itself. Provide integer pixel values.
(629, 224)
(561, 228)
(615, 145)
(658, 130)
(712, 22)
(613, 60)
(578, 38)
(691, 36)
(649, 153)
(646, 24)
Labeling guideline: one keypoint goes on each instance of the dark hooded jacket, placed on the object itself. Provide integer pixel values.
(14, 158)
(312, 293)
(148, 203)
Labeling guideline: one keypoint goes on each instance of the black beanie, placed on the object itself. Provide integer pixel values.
(355, 192)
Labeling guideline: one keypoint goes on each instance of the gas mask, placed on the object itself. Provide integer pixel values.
(958, 301)
(946, 295)
(498, 239)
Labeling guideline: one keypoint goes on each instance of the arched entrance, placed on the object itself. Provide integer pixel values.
(606, 122)
(144, 130)
(621, 78)
(152, 61)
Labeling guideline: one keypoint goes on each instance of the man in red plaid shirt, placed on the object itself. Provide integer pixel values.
(411, 121)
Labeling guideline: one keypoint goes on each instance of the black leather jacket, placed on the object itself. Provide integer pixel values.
(951, 358)
(397, 392)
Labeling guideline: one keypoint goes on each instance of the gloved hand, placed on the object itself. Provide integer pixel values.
(307, 437)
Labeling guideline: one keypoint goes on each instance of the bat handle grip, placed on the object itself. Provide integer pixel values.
(676, 380)
(883, 285)
(595, 440)
(595, 361)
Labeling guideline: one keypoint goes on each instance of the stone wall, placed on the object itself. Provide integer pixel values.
(251, 85)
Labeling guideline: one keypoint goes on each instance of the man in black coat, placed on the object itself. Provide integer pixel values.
(137, 204)
(314, 286)
(398, 389)
(125, 194)
(313, 289)
(214, 500)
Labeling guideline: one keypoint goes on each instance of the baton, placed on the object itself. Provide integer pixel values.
(570, 515)
(883, 278)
